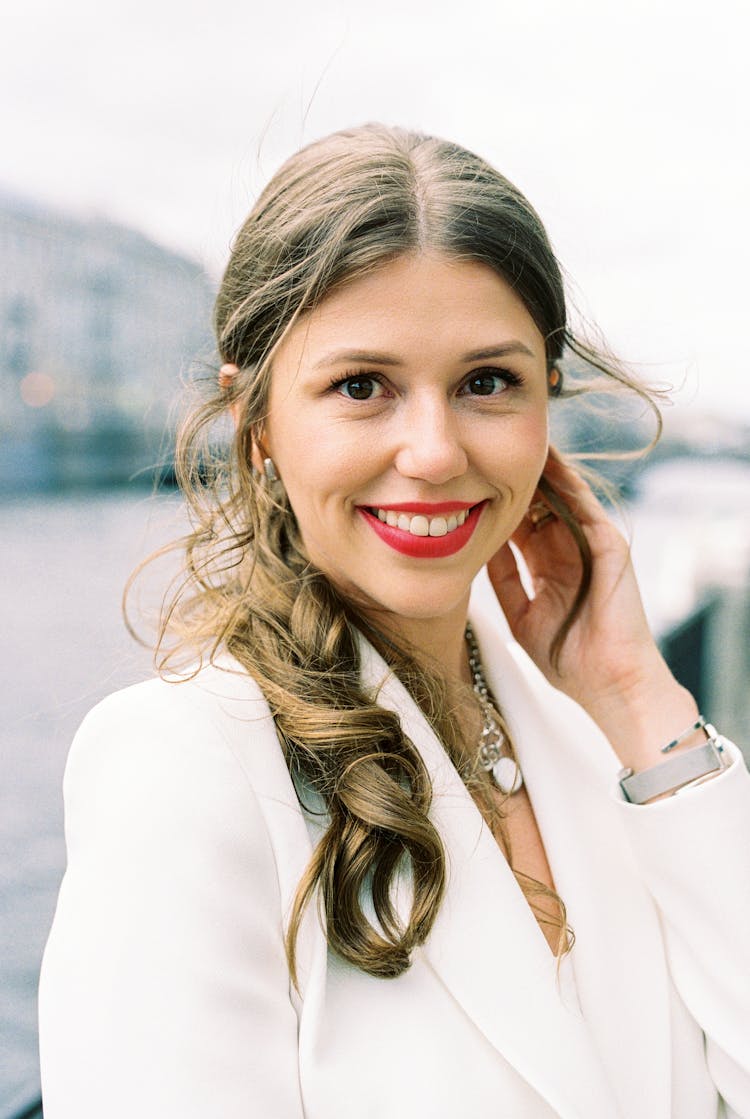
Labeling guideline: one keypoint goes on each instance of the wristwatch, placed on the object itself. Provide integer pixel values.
(685, 769)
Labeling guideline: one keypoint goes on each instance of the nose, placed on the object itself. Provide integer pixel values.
(430, 444)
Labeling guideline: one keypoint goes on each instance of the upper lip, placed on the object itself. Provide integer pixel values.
(428, 508)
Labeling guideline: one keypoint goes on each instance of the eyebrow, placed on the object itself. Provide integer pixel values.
(502, 350)
(372, 358)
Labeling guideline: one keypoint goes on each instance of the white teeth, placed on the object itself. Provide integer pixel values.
(419, 525)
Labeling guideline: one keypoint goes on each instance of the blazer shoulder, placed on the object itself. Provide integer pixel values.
(208, 691)
(182, 705)
(212, 727)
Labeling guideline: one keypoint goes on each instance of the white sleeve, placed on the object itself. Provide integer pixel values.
(694, 852)
(164, 989)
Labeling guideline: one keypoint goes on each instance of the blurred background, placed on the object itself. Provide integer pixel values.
(134, 139)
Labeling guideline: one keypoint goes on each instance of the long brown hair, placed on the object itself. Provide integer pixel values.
(337, 209)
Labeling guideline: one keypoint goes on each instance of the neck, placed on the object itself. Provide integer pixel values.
(440, 641)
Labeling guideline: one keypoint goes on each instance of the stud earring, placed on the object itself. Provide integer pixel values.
(555, 381)
(270, 471)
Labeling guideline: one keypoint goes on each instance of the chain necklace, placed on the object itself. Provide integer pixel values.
(495, 753)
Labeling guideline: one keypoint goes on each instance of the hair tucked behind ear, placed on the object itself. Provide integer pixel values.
(340, 208)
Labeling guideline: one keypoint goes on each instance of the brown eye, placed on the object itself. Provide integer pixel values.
(485, 384)
(359, 388)
(490, 382)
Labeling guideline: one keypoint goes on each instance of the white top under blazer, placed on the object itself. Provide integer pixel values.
(165, 993)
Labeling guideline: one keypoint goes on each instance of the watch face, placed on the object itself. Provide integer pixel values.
(677, 773)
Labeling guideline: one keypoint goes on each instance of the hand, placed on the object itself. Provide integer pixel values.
(609, 663)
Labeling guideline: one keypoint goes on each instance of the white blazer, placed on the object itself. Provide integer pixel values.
(165, 992)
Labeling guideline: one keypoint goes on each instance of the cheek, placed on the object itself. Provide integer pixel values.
(324, 478)
(519, 453)
(333, 461)
(539, 445)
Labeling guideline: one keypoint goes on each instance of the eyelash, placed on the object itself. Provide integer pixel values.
(512, 380)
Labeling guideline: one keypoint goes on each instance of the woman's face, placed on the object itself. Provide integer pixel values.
(408, 423)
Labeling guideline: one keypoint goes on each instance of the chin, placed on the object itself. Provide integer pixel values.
(412, 603)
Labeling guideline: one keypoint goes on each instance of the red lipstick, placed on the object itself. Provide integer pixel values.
(426, 547)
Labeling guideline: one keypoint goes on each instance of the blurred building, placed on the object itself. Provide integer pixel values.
(97, 326)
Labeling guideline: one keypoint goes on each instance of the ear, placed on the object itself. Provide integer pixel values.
(227, 375)
(258, 453)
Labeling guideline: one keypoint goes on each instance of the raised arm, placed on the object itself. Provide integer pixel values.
(693, 847)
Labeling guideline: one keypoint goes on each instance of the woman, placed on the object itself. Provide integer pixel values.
(367, 859)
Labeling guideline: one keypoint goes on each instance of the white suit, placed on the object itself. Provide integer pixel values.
(165, 990)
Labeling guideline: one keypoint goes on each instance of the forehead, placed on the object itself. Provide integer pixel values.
(416, 306)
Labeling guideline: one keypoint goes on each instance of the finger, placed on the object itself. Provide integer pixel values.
(523, 533)
(551, 557)
(543, 528)
(506, 583)
(538, 516)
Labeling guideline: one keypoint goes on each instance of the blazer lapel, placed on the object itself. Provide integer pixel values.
(486, 945)
(570, 771)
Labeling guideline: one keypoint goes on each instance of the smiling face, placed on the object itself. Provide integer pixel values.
(408, 423)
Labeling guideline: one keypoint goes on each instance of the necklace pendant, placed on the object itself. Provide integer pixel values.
(506, 774)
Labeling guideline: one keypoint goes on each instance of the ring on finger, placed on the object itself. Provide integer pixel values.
(539, 514)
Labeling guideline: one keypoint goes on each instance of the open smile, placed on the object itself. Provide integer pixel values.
(424, 531)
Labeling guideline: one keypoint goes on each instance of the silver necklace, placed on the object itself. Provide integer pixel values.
(502, 767)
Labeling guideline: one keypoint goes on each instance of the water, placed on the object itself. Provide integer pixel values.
(65, 562)
(690, 532)
(65, 646)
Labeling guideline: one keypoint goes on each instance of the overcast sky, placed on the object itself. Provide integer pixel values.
(626, 123)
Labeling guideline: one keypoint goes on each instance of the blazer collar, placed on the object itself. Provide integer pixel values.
(486, 945)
